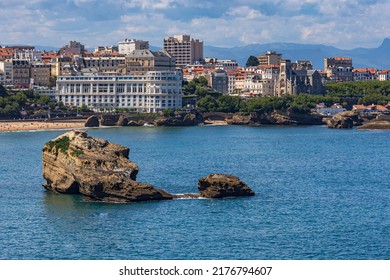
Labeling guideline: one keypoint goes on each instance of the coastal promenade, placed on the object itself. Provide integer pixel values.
(29, 125)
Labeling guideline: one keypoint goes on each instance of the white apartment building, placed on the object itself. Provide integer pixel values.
(127, 46)
(28, 54)
(256, 86)
(227, 65)
(6, 67)
(151, 92)
(384, 75)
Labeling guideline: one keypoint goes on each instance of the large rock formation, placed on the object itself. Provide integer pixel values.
(75, 163)
(223, 185)
(347, 119)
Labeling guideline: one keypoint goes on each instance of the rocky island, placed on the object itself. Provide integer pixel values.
(75, 163)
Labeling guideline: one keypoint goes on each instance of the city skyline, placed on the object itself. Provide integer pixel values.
(343, 24)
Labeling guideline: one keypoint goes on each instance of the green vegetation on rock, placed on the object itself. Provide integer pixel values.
(60, 144)
(77, 152)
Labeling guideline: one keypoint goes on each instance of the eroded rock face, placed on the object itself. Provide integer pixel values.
(75, 163)
(92, 121)
(276, 118)
(189, 119)
(223, 185)
(113, 120)
(347, 119)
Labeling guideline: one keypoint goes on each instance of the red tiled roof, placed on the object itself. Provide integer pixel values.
(342, 58)
(381, 108)
(360, 107)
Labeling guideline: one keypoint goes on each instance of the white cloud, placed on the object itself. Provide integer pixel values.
(340, 23)
(244, 12)
(150, 4)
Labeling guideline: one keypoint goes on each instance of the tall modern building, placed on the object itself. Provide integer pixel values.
(269, 58)
(184, 49)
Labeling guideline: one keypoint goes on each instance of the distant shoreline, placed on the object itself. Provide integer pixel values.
(33, 125)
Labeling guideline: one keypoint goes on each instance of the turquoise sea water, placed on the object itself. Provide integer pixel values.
(320, 194)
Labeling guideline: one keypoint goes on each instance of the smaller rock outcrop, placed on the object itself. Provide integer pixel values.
(92, 121)
(380, 122)
(113, 120)
(347, 119)
(242, 119)
(136, 123)
(181, 119)
(223, 185)
(288, 117)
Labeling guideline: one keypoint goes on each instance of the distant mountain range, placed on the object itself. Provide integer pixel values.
(362, 57)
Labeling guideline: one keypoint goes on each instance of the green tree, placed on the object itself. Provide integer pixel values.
(228, 104)
(44, 100)
(169, 113)
(3, 91)
(207, 104)
(20, 98)
(252, 61)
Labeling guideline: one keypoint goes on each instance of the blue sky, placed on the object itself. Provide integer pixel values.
(340, 23)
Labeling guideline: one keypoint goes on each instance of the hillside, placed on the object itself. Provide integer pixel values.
(362, 57)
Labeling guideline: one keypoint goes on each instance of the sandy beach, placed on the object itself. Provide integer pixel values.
(6, 126)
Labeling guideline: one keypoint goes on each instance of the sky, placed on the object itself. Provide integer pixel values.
(344, 24)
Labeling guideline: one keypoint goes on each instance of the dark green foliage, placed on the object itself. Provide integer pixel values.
(77, 152)
(169, 113)
(190, 88)
(207, 104)
(302, 103)
(3, 91)
(60, 145)
(229, 104)
(252, 61)
(358, 89)
(374, 98)
(84, 108)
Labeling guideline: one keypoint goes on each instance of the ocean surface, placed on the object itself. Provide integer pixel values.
(320, 194)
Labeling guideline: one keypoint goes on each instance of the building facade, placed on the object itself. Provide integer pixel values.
(40, 74)
(185, 50)
(153, 91)
(269, 58)
(6, 69)
(74, 48)
(219, 81)
(103, 65)
(127, 46)
(21, 73)
(295, 79)
(62, 66)
(338, 69)
(384, 75)
(142, 61)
